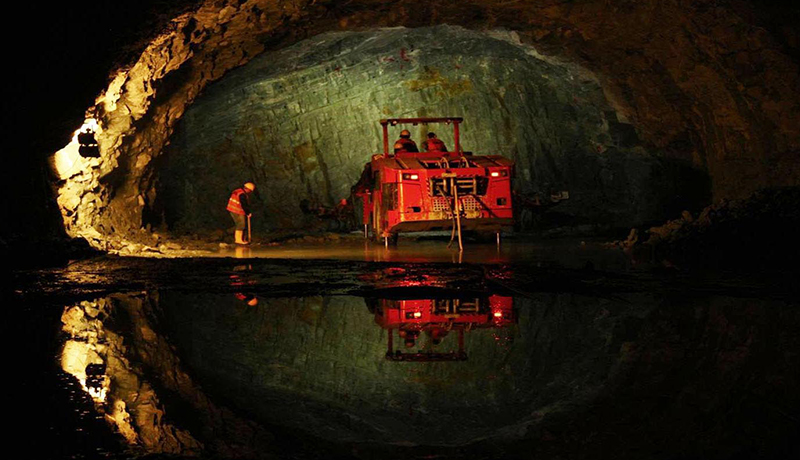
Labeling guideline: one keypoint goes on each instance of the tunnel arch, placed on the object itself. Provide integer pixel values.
(696, 80)
(302, 121)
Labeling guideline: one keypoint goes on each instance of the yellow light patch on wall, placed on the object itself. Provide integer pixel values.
(67, 162)
(112, 94)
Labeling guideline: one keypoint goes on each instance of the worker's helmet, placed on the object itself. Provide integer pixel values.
(431, 135)
(250, 186)
(405, 134)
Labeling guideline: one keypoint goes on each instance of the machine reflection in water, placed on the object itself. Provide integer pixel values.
(436, 319)
(179, 368)
(236, 352)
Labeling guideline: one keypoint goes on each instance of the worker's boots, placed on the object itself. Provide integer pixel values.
(238, 237)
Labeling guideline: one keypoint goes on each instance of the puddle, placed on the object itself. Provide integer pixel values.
(575, 253)
(421, 371)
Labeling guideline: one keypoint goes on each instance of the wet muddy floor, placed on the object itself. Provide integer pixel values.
(572, 252)
(318, 351)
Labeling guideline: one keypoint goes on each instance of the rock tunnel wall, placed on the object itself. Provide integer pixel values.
(696, 79)
(302, 122)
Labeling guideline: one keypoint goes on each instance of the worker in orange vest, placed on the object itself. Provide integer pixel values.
(239, 207)
(434, 144)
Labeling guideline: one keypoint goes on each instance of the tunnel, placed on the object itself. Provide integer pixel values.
(637, 130)
(639, 301)
(292, 377)
(302, 121)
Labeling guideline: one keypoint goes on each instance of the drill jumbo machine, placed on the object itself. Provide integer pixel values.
(408, 191)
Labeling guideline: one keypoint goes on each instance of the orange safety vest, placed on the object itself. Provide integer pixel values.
(235, 203)
(435, 145)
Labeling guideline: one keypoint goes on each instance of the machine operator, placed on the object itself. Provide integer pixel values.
(405, 144)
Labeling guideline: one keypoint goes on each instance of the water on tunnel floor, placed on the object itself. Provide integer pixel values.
(568, 252)
(411, 373)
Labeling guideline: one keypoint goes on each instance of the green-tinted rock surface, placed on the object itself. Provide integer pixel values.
(302, 122)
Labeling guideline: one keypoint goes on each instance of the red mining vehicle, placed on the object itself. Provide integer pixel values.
(437, 318)
(405, 191)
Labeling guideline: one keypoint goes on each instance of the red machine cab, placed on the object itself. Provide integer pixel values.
(403, 190)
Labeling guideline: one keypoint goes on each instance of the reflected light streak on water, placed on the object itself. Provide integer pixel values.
(567, 253)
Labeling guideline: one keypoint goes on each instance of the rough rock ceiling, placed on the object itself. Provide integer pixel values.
(694, 77)
(302, 121)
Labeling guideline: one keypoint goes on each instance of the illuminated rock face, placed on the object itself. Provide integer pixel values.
(701, 85)
(302, 122)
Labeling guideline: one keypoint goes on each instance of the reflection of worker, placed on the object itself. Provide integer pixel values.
(241, 211)
(249, 298)
(405, 144)
(434, 144)
(239, 283)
